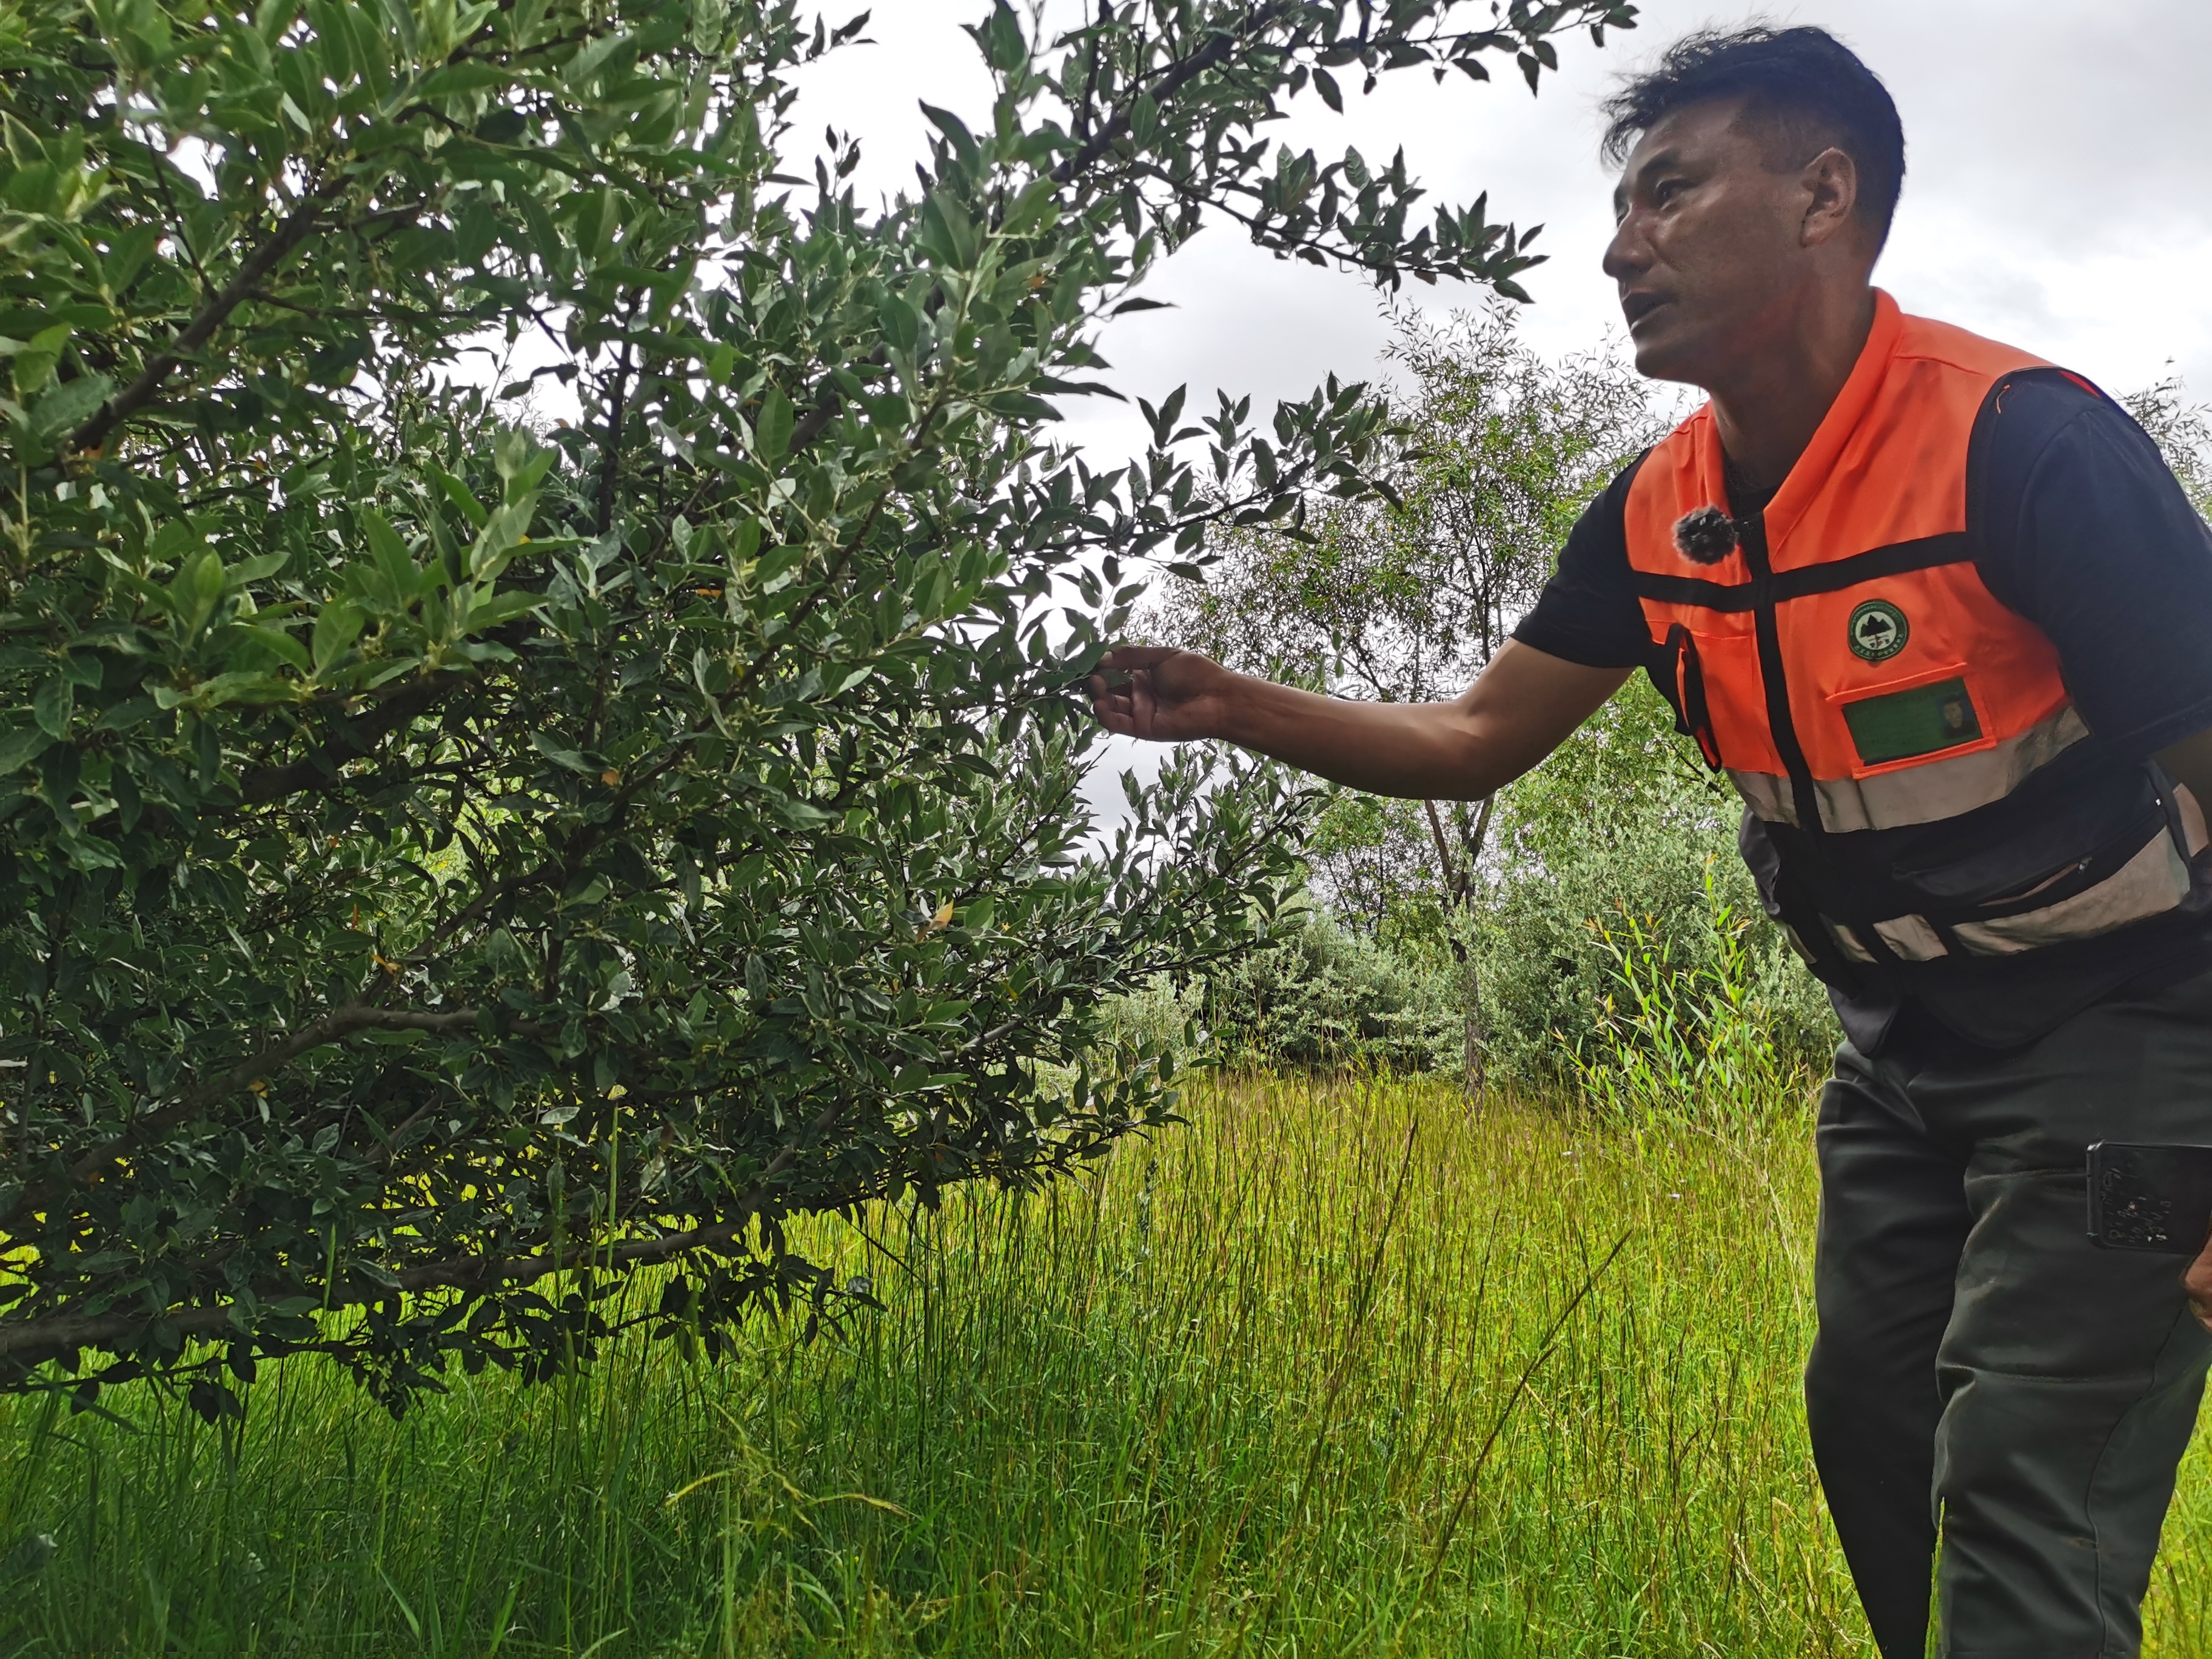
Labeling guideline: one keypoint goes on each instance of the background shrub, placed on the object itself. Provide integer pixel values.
(1622, 845)
(1330, 995)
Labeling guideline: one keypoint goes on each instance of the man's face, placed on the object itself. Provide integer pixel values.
(1710, 255)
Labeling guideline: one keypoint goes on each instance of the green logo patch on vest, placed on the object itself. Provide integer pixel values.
(1878, 630)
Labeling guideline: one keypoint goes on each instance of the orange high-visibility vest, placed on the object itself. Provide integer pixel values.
(1929, 799)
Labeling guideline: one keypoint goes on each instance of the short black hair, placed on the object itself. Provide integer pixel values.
(1807, 88)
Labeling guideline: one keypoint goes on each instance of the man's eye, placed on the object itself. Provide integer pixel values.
(1667, 191)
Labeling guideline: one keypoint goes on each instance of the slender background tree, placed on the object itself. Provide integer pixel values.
(1403, 596)
(2182, 430)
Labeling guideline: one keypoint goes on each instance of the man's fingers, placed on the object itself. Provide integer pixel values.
(1123, 658)
(2198, 1282)
(1143, 706)
(1125, 694)
(1127, 707)
(1114, 699)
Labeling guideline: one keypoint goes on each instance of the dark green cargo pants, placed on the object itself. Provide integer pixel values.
(1981, 1366)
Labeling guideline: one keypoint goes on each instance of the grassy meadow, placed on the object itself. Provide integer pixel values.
(1350, 1368)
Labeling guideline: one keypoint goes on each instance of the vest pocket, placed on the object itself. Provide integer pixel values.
(1685, 687)
(2092, 845)
(2049, 851)
(1903, 726)
(2071, 871)
(2152, 882)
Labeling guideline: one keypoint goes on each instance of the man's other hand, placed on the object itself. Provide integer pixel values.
(1161, 694)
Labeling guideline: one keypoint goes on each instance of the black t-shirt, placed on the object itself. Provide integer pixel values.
(2084, 532)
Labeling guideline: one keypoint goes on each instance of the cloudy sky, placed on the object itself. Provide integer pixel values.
(2057, 195)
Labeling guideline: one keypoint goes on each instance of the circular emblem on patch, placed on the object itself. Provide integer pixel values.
(1879, 630)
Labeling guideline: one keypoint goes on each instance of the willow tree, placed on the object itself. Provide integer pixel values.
(1403, 593)
(450, 860)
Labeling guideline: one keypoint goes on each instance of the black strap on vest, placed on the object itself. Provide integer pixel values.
(1780, 723)
(1771, 588)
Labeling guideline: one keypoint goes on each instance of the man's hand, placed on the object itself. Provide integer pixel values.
(2190, 763)
(1165, 696)
(2197, 1281)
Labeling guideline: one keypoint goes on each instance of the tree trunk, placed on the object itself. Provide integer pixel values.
(1458, 883)
(1476, 1074)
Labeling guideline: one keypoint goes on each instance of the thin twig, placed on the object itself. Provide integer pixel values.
(295, 229)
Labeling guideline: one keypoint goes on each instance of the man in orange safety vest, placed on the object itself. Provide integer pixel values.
(1942, 614)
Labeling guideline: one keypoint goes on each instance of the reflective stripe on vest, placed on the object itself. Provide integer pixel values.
(1840, 658)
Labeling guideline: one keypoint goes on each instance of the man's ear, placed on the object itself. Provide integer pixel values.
(1830, 182)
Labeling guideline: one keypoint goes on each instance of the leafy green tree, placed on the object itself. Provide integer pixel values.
(1404, 596)
(449, 863)
(2183, 432)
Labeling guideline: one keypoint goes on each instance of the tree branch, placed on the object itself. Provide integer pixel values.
(293, 230)
(329, 1029)
(61, 1333)
(1443, 850)
(348, 741)
(610, 458)
(1171, 81)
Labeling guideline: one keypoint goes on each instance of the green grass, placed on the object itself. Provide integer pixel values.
(1336, 1370)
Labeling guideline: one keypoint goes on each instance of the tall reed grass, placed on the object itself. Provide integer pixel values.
(1337, 1368)
(1693, 1045)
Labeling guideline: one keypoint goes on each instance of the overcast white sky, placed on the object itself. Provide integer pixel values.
(2055, 196)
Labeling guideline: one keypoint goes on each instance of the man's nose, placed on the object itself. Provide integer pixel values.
(1627, 254)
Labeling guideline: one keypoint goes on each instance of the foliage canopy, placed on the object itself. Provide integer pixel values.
(448, 862)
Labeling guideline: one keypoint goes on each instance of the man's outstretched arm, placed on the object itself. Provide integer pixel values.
(1522, 707)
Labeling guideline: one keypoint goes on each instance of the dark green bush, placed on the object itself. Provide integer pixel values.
(449, 859)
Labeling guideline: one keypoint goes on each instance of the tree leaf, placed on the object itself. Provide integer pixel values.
(18, 748)
(772, 429)
(51, 704)
(70, 404)
(559, 753)
(337, 627)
